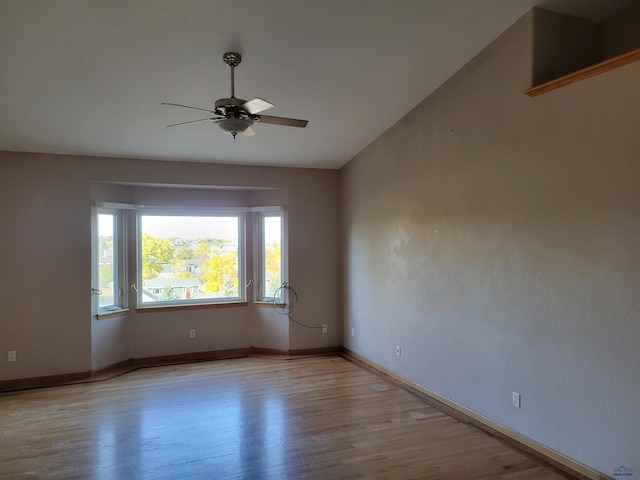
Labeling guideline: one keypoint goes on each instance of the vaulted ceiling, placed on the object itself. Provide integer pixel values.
(88, 77)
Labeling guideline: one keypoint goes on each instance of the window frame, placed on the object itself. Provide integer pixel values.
(192, 212)
(120, 298)
(260, 238)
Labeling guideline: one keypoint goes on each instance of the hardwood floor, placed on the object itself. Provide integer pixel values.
(250, 418)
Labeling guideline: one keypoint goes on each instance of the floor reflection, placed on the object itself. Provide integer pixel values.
(217, 432)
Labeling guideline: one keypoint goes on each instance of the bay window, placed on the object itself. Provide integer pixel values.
(190, 257)
(109, 277)
(270, 258)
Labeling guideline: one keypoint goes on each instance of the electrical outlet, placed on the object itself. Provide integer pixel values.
(516, 400)
(11, 357)
(325, 328)
(192, 333)
(353, 332)
(398, 351)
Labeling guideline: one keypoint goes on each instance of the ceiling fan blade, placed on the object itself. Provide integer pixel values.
(257, 105)
(287, 122)
(192, 121)
(249, 132)
(187, 106)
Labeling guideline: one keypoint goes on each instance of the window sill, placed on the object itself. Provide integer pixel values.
(263, 303)
(198, 306)
(112, 313)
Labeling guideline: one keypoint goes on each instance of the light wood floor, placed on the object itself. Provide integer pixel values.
(251, 418)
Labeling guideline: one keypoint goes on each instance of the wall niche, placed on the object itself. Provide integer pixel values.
(567, 49)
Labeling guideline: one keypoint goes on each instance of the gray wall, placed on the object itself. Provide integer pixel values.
(495, 237)
(45, 254)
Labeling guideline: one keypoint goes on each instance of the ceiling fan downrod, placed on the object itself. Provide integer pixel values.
(232, 59)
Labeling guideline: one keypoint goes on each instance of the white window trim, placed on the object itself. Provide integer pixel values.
(194, 212)
(120, 303)
(259, 239)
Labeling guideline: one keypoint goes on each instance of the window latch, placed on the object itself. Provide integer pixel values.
(96, 291)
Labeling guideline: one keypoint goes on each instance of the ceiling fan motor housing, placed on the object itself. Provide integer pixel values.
(236, 119)
(233, 105)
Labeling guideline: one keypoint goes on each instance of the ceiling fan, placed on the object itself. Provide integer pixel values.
(234, 115)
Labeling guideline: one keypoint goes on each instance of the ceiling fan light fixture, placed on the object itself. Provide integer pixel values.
(233, 126)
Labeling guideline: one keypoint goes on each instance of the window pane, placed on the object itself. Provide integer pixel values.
(272, 254)
(106, 259)
(189, 258)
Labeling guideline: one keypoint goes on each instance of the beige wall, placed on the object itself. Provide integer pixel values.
(495, 237)
(45, 253)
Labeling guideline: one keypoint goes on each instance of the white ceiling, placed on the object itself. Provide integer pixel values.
(88, 76)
